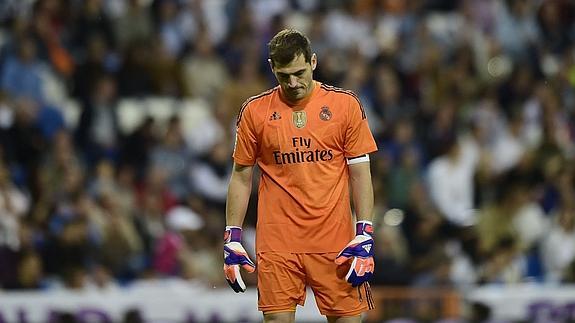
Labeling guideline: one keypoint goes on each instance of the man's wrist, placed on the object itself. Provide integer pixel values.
(233, 234)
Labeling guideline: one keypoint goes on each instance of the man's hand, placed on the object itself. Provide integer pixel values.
(235, 256)
(360, 251)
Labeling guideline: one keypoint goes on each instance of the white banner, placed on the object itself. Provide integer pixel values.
(177, 301)
(166, 301)
(528, 302)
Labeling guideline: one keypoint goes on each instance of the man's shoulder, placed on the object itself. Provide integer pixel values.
(348, 97)
(253, 103)
(261, 97)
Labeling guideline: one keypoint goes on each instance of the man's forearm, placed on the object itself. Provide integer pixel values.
(362, 191)
(239, 191)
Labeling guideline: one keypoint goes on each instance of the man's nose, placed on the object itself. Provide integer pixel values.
(292, 81)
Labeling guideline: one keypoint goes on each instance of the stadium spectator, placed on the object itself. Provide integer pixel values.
(137, 145)
(171, 252)
(134, 75)
(24, 143)
(30, 272)
(22, 73)
(450, 183)
(154, 185)
(404, 154)
(503, 264)
(98, 129)
(120, 249)
(166, 70)
(14, 205)
(175, 24)
(210, 176)
(392, 251)
(133, 26)
(91, 68)
(91, 20)
(205, 73)
(173, 156)
(557, 250)
(246, 81)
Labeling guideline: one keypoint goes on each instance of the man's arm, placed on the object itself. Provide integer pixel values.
(362, 190)
(239, 190)
(360, 249)
(235, 255)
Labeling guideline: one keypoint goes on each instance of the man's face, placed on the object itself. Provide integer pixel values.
(296, 77)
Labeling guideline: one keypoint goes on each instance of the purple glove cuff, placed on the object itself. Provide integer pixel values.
(233, 234)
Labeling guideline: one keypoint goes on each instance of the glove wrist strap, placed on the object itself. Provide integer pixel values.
(364, 227)
(233, 234)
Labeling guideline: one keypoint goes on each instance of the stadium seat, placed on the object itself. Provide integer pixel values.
(160, 108)
(130, 114)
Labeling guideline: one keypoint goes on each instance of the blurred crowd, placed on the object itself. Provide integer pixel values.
(472, 104)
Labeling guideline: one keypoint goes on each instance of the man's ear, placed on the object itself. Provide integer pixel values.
(313, 61)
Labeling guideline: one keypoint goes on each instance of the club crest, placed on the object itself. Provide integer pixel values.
(325, 114)
(299, 119)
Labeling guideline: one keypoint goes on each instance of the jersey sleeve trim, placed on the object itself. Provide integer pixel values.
(243, 162)
(358, 159)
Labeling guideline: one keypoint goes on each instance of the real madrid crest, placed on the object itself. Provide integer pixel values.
(299, 119)
(325, 114)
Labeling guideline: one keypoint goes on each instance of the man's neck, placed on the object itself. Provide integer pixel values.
(304, 99)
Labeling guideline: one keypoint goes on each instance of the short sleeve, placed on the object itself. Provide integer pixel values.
(245, 147)
(358, 138)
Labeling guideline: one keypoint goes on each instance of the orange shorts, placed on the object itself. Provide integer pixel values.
(282, 280)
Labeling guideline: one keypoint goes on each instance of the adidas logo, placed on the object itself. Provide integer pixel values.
(275, 116)
(367, 248)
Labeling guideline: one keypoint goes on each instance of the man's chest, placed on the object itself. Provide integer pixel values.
(313, 134)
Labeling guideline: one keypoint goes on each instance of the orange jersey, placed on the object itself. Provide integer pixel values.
(301, 151)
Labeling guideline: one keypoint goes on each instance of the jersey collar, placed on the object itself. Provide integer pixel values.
(303, 102)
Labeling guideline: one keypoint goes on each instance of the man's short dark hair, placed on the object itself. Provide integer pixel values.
(286, 45)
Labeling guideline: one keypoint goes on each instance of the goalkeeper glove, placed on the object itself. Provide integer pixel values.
(235, 256)
(360, 251)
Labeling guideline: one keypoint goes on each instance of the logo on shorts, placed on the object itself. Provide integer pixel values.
(325, 114)
(299, 119)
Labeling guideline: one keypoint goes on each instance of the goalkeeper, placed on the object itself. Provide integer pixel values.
(311, 142)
